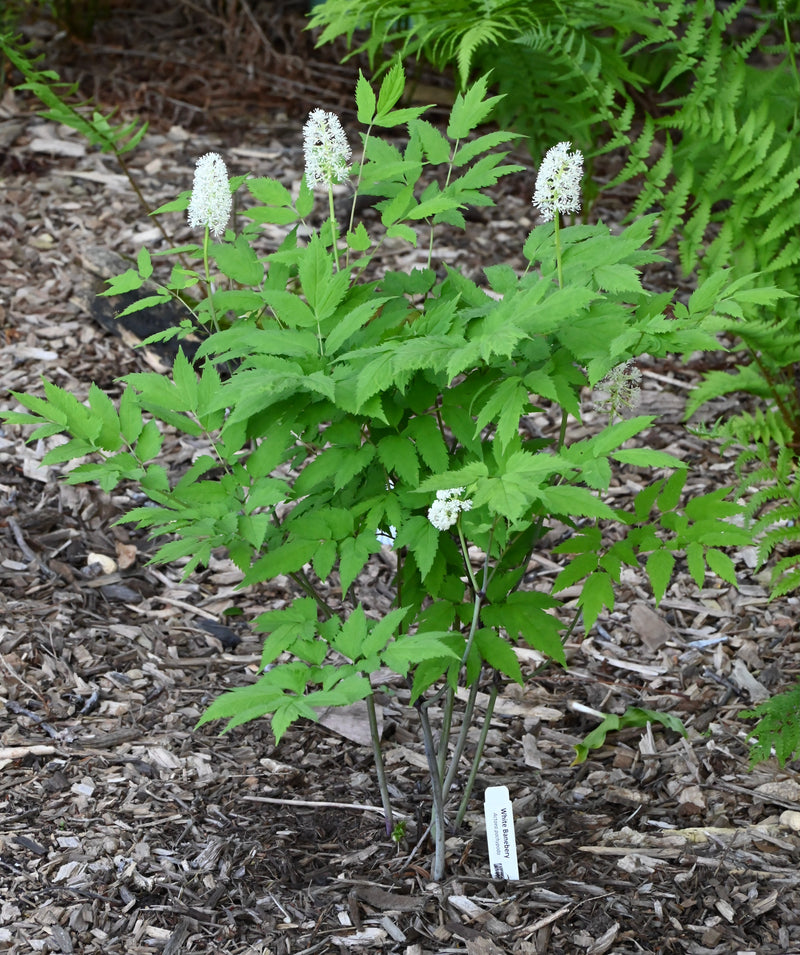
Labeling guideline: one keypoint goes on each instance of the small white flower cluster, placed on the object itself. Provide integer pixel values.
(326, 149)
(558, 185)
(620, 390)
(444, 511)
(211, 201)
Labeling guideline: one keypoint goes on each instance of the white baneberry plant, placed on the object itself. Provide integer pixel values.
(338, 409)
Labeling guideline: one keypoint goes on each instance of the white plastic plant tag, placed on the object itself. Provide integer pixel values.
(500, 833)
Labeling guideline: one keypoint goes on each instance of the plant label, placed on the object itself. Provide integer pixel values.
(500, 833)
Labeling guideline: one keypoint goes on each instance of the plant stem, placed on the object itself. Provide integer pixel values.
(301, 580)
(461, 742)
(380, 768)
(207, 272)
(333, 232)
(476, 760)
(447, 721)
(437, 871)
(556, 220)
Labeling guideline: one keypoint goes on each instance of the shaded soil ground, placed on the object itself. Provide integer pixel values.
(124, 830)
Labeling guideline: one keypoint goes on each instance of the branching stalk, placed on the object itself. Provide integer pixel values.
(380, 768)
(477, 758)
(437, 872)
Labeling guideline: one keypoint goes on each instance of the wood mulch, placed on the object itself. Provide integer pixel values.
(125, 830)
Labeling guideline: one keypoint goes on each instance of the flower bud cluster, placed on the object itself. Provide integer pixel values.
(326, 149)
(444, 511)
(558, 185)
(211, 201)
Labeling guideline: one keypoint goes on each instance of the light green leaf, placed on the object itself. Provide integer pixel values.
(471, 109)
(398, 456)
(573, 502)
(597, 593)
(648, 458)
(433, 143)
(695, 562)
(660, 565)
(358, 240)
(285, 559)
(144, 264)
(498, 654)
(353, 319)
(391, 89)
(429, 441)
(422, 539)
(633, 716)
(524, 613)
(350, 638)
(130, 416)
(129, 281)
(383, 631)
(354, 553)
(238, 261)
(722, 565)
(365, 100)
(409, 649)
(148, 446)
(270, 191)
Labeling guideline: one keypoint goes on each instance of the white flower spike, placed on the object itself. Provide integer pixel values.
(558, 185)
(326, 149)
(444, 511)
(211, 201)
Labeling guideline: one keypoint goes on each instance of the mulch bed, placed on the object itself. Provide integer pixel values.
(125, 830)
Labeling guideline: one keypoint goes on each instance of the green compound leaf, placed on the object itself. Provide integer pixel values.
(633, 716)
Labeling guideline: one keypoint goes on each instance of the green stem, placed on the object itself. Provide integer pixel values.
(558, 251)
(207, 271)
(302, 581)
(380, 768)
(333, 232)
(476, 760)
(792, 60)
(465, 555)
(562, 432)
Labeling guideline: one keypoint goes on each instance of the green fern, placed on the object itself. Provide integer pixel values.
(769, 485)
(577, 53)
(442, 33)
(778, 727)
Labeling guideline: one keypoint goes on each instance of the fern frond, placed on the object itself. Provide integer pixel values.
(786, 576)
(778, 727)
(788, 257)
